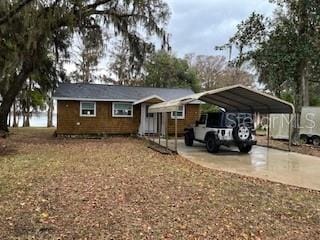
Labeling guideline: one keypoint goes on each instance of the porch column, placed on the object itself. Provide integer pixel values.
(148, 129)
(166, 129)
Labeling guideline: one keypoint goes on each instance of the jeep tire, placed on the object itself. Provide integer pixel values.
(188, 139)
(244, 147)
(316, 141)
(212, 145)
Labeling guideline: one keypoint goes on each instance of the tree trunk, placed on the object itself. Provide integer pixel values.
(26, 119)
(303, 39)
(305, 90)
(23, 117)
(12, 92)
(50, 111)
(15, 123)
(298, 102)
(300, 88)
(9, 119)
(25, 122)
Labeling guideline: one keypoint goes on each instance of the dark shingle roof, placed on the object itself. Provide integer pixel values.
(116, 92)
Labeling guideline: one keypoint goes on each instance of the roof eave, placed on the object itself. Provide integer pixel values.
(148, 98)
(93, 99)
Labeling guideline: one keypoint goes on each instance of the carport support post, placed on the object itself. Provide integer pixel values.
(290, 132)
(159, 127)
(176, 133)
(154, 122)
(268, 134)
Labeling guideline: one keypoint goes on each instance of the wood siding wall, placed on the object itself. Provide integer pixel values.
(103, 123)
(70, 122)
(192, 114)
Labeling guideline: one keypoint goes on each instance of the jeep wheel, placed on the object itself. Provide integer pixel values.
(211, 144)
(242, 133)
(316, 141)
(245, 148)
(188, 140)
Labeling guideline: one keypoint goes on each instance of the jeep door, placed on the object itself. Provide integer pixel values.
(200, 128)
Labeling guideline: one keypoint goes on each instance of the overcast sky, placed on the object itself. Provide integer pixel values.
(197, 26)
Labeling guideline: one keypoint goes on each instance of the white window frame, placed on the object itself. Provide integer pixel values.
(183, 113)
(95, 110)
(122, 116)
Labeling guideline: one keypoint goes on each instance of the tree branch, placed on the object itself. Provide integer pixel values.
(14, 11)
(97, 4)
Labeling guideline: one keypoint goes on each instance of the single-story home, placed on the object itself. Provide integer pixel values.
(113, 109)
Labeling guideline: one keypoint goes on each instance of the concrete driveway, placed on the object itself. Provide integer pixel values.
(275, 165)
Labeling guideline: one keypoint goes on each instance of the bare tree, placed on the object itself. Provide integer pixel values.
(125, 67)
(232, 76)
(214, 72)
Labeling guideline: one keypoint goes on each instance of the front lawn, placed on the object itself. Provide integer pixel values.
(118, 188)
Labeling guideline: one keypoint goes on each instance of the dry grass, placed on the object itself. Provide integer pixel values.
(118, 188)
(307, 149)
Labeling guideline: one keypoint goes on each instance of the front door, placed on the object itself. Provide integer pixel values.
(150, 121)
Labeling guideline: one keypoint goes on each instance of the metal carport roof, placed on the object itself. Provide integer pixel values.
(237, 98)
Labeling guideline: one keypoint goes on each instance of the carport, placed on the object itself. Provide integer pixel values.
(236, 98)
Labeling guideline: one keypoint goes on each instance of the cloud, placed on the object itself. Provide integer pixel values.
(198, 26)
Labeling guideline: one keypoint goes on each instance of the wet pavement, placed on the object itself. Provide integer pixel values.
(271, 164)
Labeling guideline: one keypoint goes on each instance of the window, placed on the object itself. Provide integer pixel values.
(179, 113)
(203, 119)
(214, 120)
(87, 109)
(122, 110)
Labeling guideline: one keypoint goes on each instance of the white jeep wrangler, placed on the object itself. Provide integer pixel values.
(221, 128)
